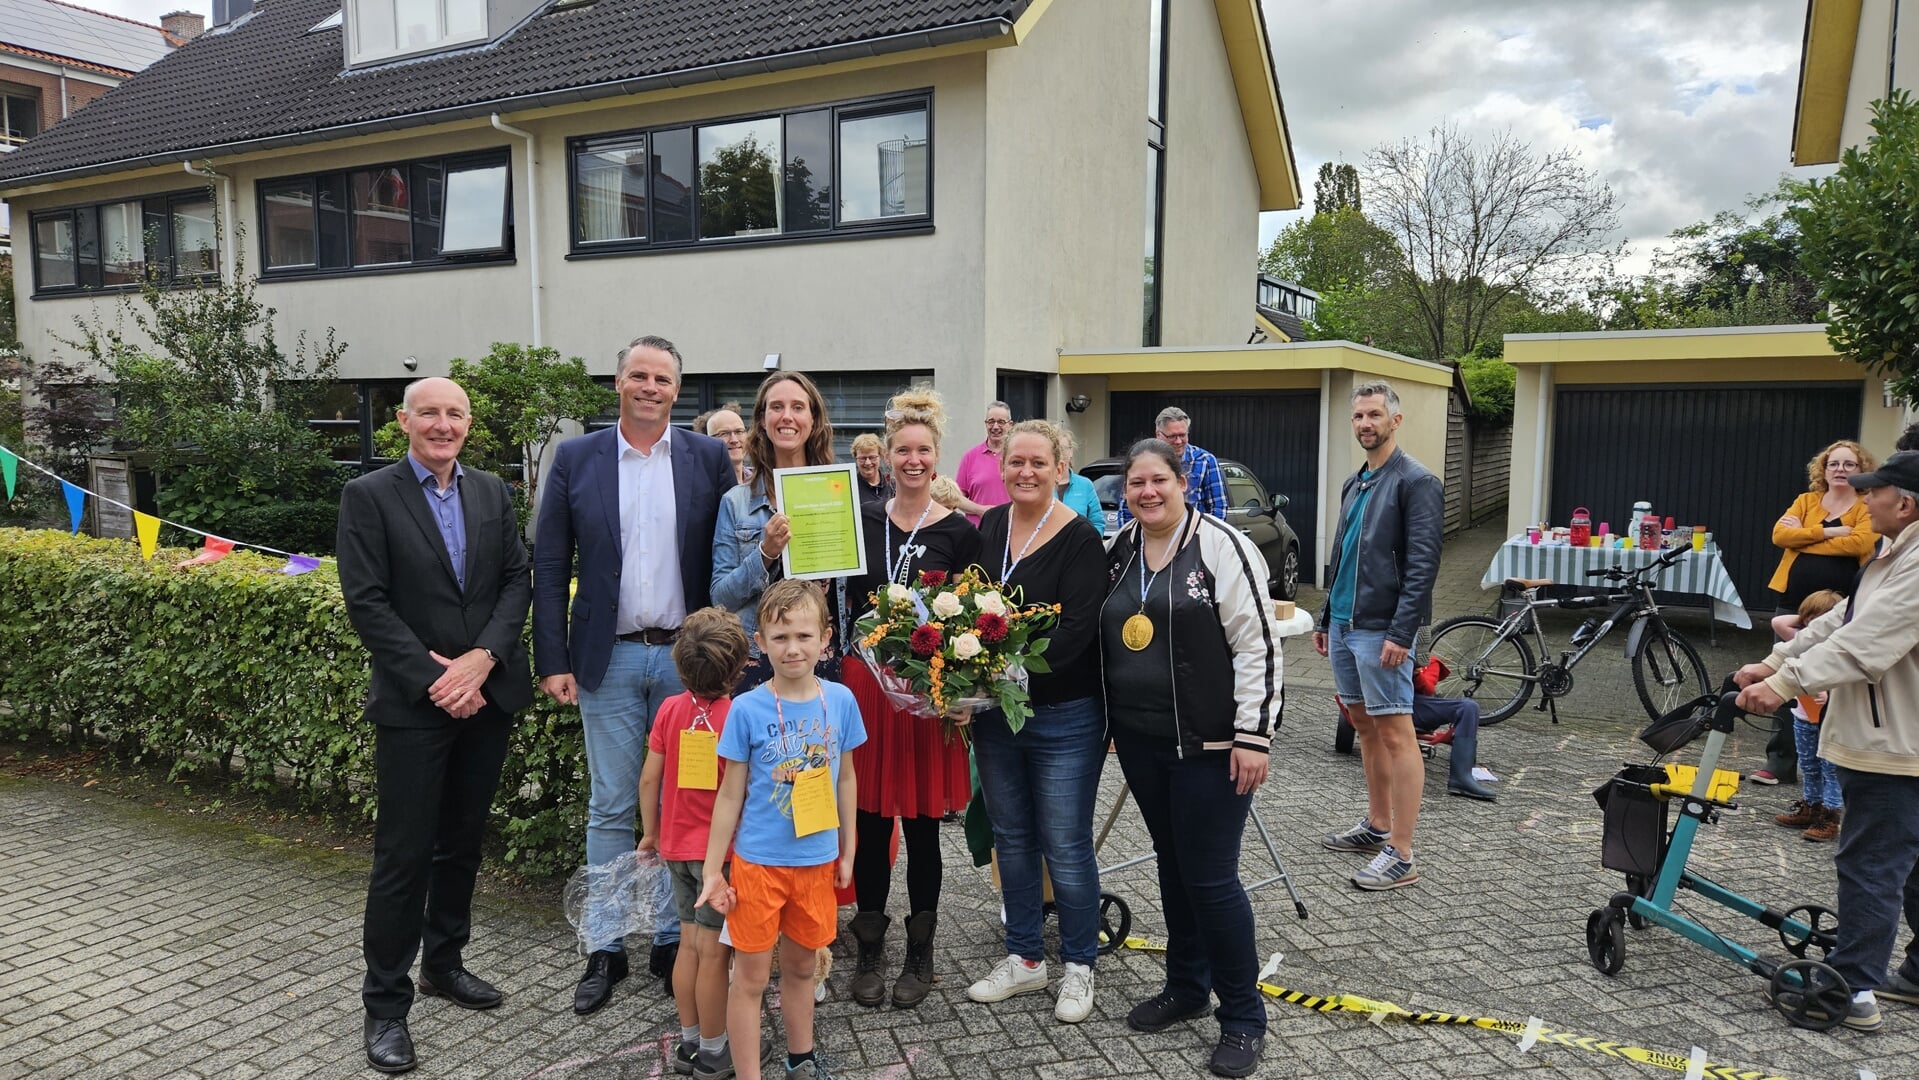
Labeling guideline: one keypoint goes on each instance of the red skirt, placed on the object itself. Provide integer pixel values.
(906, 768)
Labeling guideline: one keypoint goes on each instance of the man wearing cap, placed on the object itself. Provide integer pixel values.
(1866, 656)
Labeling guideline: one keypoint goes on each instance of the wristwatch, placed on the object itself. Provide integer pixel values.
(490, 654)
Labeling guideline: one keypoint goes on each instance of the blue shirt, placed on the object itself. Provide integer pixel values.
(447, 510)
(1205, 485)
(773, 749)
(1080, 498)
(1346, 579)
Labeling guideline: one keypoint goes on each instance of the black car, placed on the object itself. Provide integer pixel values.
(1250, 511)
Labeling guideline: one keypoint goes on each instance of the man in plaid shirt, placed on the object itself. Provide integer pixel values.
(1205, 485)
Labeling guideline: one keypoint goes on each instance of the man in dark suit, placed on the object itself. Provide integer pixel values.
(434, 575)
(630, 510)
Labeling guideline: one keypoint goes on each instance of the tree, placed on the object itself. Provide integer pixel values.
(1336, 189)
(1333, 249)
(521, 396)
(1858, 242)
(1477, 223)
(1745, 266)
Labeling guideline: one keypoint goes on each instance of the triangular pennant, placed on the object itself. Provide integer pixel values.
(147, 528)
(216, 549)
(76, 503)
(9, 466)
(299, 564)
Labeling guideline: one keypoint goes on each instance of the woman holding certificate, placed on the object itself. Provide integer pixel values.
(789, 430)
(1192, 669)
(1040, 782)
(909, 769)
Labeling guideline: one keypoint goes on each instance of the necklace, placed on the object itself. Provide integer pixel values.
(897, 571)
(779, 711)
(1137, 632)
(1008, 562)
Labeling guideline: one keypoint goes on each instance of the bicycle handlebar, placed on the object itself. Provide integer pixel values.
(1620, 573)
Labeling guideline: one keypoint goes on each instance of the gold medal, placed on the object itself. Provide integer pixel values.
(1137, 633)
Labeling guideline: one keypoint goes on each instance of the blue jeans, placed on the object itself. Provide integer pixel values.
(1878, 858)
(617, 718)
(1040, 785)
(1818, 778)
(1196, 820)
(1358, 678)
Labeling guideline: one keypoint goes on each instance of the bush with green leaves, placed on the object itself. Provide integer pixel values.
(238, 667)
(1489, 382)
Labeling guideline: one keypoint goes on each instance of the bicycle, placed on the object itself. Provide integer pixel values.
(1490, 660)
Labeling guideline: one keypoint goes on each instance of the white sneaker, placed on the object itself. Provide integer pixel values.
(1075, 1001)
(1010, 976)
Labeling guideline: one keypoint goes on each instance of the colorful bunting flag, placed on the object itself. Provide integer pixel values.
(299, 564)
(216, 548)
(9, 466)
(147, 528)
(76, 503)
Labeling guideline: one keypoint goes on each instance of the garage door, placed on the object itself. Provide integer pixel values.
(1731, 457)
(1275, 433)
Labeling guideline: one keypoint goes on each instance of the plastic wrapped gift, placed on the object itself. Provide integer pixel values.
(605, 903)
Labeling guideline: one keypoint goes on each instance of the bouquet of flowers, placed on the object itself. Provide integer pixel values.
(954, 642)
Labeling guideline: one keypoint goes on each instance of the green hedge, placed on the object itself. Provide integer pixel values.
(239, 665)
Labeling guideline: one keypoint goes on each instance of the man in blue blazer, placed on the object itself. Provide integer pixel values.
(629, 511)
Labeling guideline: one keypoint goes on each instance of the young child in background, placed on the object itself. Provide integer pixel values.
(945, 492)
(1819, 809)
(790, 790)
(677, 790)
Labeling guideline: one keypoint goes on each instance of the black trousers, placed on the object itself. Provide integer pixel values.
(435, 786)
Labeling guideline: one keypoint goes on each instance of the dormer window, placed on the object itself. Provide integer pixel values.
(387, 29)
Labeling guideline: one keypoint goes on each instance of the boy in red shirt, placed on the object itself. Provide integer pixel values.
(677, 789)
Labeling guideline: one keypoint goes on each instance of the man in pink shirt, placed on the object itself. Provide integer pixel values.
(979, 472)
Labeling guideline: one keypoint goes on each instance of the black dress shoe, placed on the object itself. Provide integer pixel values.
(461, 987)
(603, 970)
(1474, 791)
(660, 963)
(389, 1046)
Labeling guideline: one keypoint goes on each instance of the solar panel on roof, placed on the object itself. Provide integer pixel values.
(79, 34)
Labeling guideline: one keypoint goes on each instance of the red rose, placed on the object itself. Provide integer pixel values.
(933, 578)
(925, 640)
(992, 628)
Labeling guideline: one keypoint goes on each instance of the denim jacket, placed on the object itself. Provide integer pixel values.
(740, 575)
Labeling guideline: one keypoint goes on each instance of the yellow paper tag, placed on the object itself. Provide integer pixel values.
(699, 760)
(814, 807)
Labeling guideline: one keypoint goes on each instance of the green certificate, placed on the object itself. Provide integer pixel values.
(822, 503)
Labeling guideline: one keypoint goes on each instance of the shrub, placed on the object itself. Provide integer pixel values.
(1489, 380)
(238, 665)
(309, 528)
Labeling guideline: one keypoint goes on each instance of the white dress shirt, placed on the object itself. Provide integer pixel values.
(651, 593)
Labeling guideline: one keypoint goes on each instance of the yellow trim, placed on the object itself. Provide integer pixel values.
(1215, 380)
(1241, 361)
(1769, 369)
(1024, 25)
(1825, 72)
(1734, 343)
(1250, 56)
(1272, 331)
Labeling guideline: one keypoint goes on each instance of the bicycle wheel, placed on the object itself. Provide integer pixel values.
(1667, 671)
(1494, 672)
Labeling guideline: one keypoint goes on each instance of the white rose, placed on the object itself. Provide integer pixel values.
(965, 646)
(946, 605)
(991, 603)
(898, 594)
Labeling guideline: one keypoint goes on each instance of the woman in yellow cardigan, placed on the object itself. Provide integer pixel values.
(1826, 536)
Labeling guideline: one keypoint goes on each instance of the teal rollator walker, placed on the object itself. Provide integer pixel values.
(1807, 992)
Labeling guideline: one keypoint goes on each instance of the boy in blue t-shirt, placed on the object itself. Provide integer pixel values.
(791, 794)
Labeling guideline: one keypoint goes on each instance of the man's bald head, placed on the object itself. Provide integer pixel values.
(433, 384)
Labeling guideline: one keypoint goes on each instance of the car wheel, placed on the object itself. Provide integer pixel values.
(1287, 586)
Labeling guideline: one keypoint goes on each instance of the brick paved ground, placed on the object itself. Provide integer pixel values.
(133, 944)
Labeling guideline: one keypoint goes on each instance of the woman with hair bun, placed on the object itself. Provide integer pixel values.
(910, 772)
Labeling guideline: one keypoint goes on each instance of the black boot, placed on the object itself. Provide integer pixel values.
(916, 977)
(1465, 754)
(869, 979)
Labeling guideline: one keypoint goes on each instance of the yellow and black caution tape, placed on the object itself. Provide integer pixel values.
(1386, 1010)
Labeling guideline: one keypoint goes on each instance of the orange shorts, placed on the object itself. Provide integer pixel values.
(772, 900)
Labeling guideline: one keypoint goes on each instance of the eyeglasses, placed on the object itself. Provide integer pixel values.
(998, 423)
(734, 434)
(1847, 466)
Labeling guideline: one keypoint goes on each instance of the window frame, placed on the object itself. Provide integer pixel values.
(12, 93)
(501, 156)
(157, 212)
(920, 99)
(1153, 319)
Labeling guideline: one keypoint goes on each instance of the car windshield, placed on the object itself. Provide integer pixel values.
(1107, 487)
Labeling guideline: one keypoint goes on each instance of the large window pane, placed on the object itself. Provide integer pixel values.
(609, 201)
(287, 218)
(1155, 51)
(738, 195)
(337, 420)
(884, 166)
(1149, 331)
(372, 24)
(53, 253)
(123, 244)
(465, 19)
(19, 119)
(427, 193)
(331, 204)
(196, 242)
(808, 197)
(382, 225)
(418, 22)
(673, 185)
(475, 210)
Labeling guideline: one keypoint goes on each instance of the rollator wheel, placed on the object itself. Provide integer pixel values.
(1810, 995)
(1825, 927)
(1641, 886)
(1115, 922)
(1606, 940)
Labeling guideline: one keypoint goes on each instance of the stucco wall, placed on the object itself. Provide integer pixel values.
(1872, 62)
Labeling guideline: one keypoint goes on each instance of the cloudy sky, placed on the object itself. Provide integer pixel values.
(1683, 106)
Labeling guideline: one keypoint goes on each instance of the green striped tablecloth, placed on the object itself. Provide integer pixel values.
(1700, 573)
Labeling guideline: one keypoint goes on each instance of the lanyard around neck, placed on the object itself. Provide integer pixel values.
(1008, 562)
(1165, 556)
(897, 571)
